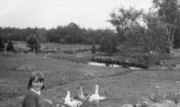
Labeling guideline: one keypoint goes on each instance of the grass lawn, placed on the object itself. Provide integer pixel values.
(67, 46)
(119, 84)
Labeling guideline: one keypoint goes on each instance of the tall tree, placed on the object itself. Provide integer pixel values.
(170, 15)
(93, 47)
(1, 42)
(108, 44)
(33, 43)
(124, 19)
(73, 33)
(10, 46)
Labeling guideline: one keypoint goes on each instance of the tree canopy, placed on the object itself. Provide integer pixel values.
(33, 43)
(169, 14)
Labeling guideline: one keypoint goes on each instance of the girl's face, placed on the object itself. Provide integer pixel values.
(37, 84)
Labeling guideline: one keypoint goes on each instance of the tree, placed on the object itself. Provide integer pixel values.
(93, 47)
(177, 39)
(33, 43)
(73, 33)
(156, 36)
(10, 46)
(124, 19)
(1, 43)
(145, 44)
(41, 34)
(170, 15)
(108, 44)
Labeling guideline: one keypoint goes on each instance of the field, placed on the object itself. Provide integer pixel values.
(120, 85)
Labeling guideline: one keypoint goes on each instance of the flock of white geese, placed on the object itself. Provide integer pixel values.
(95, 98)
(81, 97)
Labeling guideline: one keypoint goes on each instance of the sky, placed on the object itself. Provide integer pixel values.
(52, 13)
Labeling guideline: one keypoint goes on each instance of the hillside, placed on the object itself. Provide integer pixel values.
(119, 84)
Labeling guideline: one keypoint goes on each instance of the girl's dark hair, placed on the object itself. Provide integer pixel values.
(36, 74)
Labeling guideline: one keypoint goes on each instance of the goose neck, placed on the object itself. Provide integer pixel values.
(81, 90)
(68, 96)
(97, 88)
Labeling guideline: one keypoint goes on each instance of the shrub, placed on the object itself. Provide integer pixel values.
(173, 96)
(10, 46)
(1, 43)
(108, 44)
(93, 48)
(158, 96)
(33, 43)
(138, 55)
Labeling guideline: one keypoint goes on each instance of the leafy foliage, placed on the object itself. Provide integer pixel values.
(33, 43)
(1, 43)
(168, 12)
(146, 43)
(10, 46)
(123, 20)
(93, 48)
(156, 37)
(108, 44)
(69, 34)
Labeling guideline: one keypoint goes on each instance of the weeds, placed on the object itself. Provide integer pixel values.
(158, 96)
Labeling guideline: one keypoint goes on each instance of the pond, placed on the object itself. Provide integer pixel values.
(110, 65)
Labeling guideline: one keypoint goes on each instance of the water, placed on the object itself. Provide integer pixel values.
(103, 64)
(109, 65)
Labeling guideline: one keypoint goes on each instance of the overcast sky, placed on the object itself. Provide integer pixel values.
(51, 13)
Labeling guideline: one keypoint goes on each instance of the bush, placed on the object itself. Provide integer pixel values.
(33, 43)
(159, 97)
(93, 48)
(1, 43)
(10, 46)
(108, 44)
(68, 51)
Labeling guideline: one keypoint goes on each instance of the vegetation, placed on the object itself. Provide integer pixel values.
(1, 43)
(70, 34)
(151, 33)
(169, 15)
(108, 44)
(123, 20)
(120, 85)
(33, 43)
(141, 36)
(10, 46)
(144, 38)
(93, 48)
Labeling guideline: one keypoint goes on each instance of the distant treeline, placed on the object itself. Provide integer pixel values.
(70, 34)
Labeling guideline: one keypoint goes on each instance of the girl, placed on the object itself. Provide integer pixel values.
(33, 98)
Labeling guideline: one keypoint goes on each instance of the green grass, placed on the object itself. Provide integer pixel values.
(66, 46)
(121, 85)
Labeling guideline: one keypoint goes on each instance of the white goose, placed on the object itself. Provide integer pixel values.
(71, 102)
(96, 97)
(80, 94)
